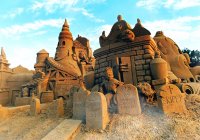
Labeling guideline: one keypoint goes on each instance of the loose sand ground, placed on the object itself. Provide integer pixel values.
(150, 125)
(22, 126)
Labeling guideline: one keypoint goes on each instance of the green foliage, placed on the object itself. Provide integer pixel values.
(194, 56)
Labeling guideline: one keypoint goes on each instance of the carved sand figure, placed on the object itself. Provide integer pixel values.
(178, 63)
(139, 30)
(147, 91)
(109, 87)
(110, 84)
(121, 31)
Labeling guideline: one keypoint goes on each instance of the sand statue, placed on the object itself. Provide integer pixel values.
(121, 31)
(170, 52)
(139, 30)
(110, 84)
(147, 91)
(64, 52)
(73, 59)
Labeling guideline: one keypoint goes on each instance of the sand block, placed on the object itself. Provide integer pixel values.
(47, 96)
(170, 99)
(128, 100)
(96, 111)
(79, 100)
(21, 101)
(66, 130)
(59, 107)
(108, 96)
(35, 107)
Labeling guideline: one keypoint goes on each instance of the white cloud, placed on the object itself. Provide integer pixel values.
(85, 13)
(181, 30)
(148, 4)
(29, 27)
(51, 6)
(92, 1)
(13, 13)
(174, 4)
(186, 4)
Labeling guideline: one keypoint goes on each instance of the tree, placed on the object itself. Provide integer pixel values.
(194, 56)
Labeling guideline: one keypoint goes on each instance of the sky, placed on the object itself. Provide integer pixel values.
(28, 26)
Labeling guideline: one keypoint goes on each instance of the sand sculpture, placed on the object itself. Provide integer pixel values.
(177, 62)
(128, 60)
(11, 81)
(73, 59)
(149, 63)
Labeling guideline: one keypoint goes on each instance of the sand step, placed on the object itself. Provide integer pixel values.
(66, 130)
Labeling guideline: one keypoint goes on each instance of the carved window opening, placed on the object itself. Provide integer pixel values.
(63, 43)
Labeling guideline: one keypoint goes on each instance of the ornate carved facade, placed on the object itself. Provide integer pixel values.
(66, 69)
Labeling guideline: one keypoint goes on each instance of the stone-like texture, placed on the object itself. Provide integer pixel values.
(35, 107)
(108, 96)
(170, 99)
(59, 107)
(11, 80)
(89, 80)
(79, 100)
(171, 53)
(4, 97)
(121, 31)
(54, 109)
(147, 90)
(47, 96)
(22, 101)
(96, 111)
(158, 68)
(128, 100)
(126, 59)
(66, 130)
(160, 81)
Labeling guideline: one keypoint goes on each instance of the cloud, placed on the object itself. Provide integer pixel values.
(181, 30)
(186, 4)
(174, 4)
(51, 6)
(92, 1)
(30, 27)
(86, 13)
(13, 13)
(148, 4)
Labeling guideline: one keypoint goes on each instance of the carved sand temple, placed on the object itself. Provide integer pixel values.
(132, 53)
(73, 59)
(156, 66)
(130, 69)
(127, 53)
(11, 80)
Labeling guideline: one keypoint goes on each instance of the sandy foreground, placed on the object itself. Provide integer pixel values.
(150, 125)
(22, 126)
